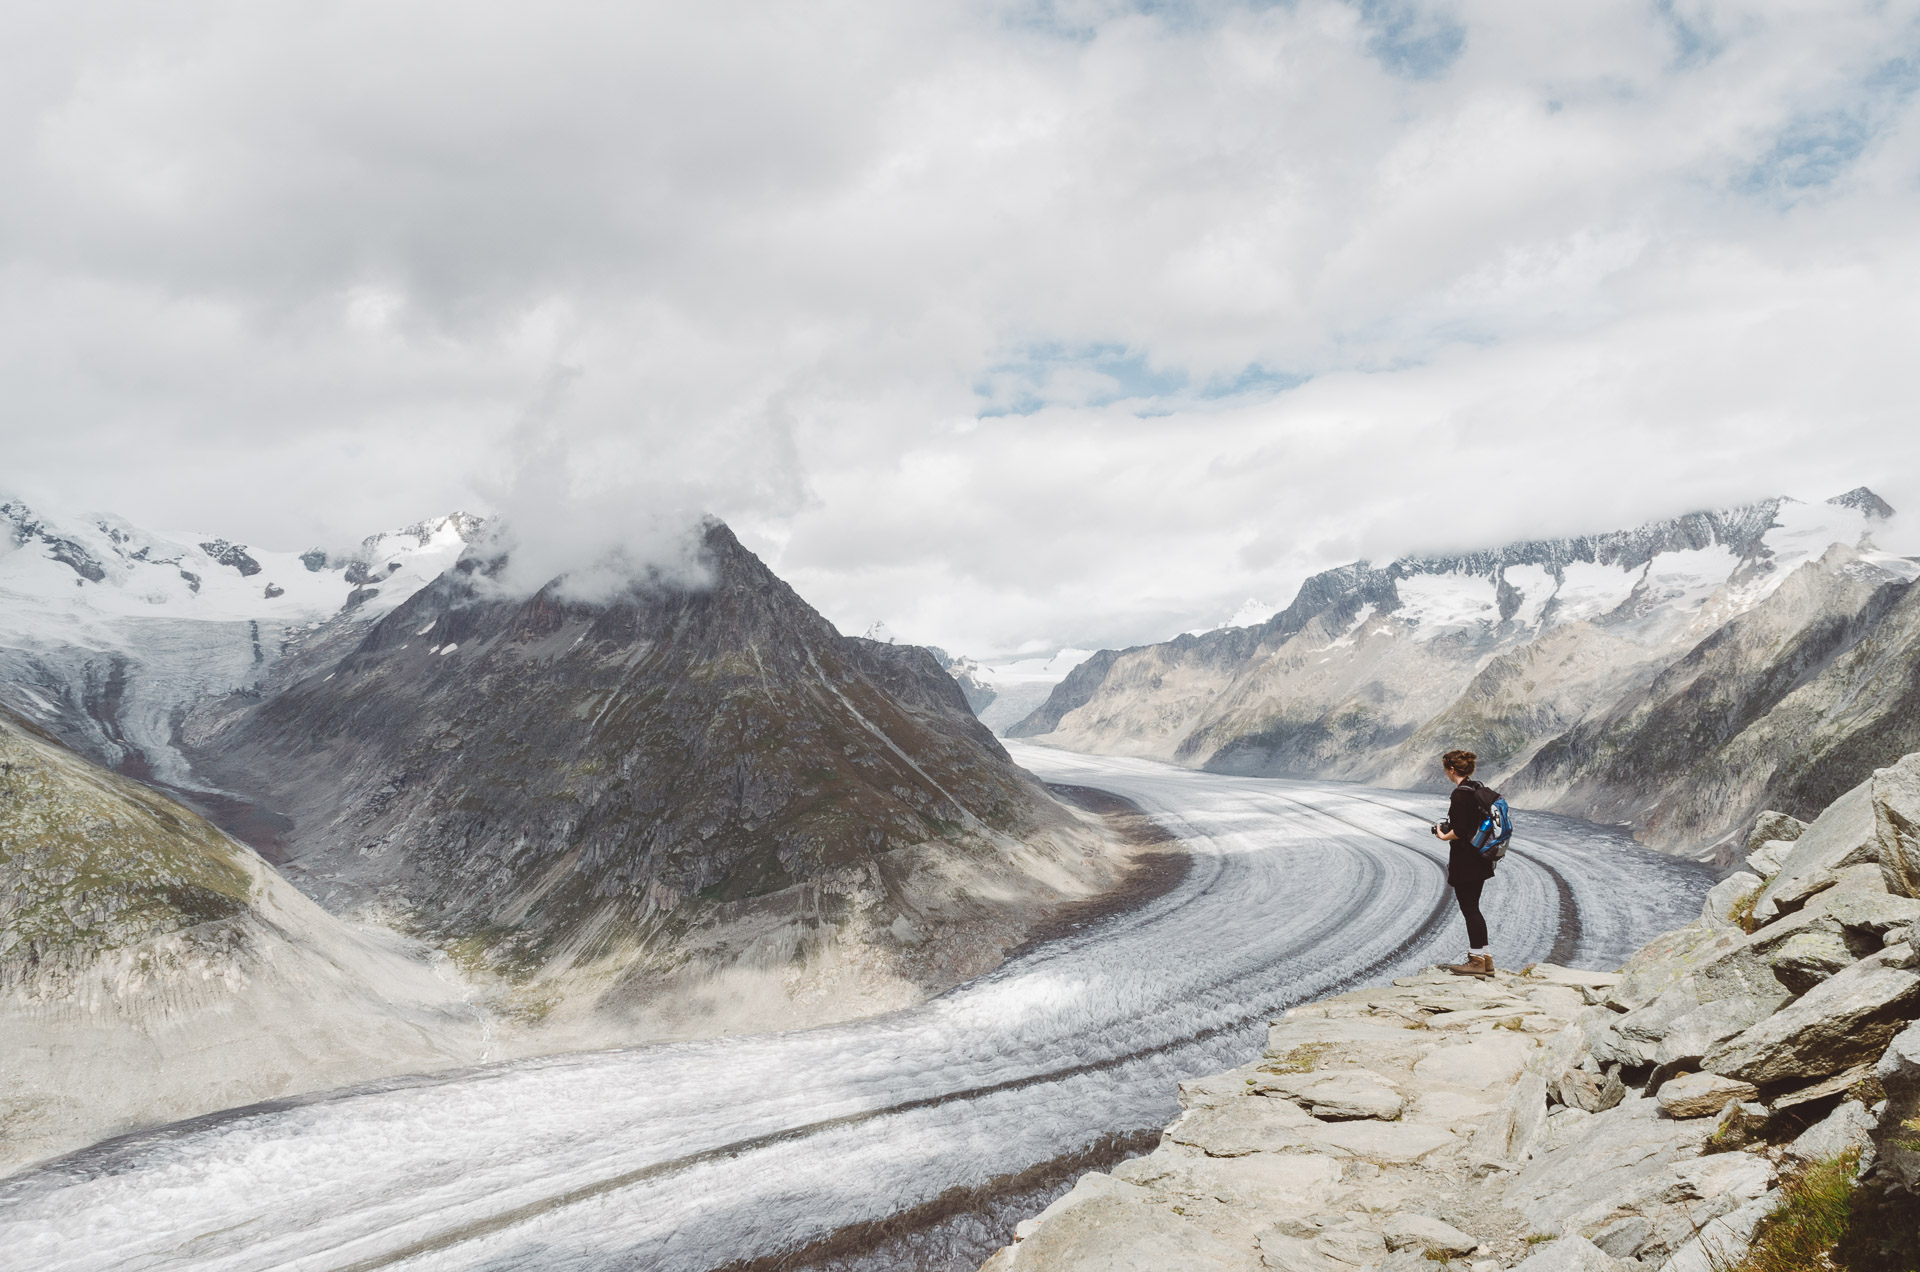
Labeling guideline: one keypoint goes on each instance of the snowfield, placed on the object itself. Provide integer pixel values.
(689, 1156)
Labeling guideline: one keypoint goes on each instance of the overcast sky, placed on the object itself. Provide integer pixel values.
(1012, 324)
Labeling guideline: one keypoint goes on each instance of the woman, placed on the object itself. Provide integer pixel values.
(1467, 870)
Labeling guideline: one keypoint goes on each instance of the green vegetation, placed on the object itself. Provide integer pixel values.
(1828, 1222)
(1813, 1215)
(91, 861)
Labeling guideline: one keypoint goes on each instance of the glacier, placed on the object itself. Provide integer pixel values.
(691, 1156)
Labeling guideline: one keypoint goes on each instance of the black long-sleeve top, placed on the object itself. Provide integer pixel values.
(1465, 813)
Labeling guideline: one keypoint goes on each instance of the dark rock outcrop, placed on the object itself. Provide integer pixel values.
(554, 780)
(233, 554)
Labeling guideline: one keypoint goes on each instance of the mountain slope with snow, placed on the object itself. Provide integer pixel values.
(110, 633)
(1372, 671)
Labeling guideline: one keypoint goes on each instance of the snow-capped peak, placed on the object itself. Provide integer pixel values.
(1251, 613)
(1661, 577)
(106, 567)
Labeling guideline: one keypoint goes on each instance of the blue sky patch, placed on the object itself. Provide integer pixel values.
(1053, 374)
(1816, 147)
(1414, 39)
(1694, 42)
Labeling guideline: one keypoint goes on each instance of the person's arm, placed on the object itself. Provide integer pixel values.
(1462, 813)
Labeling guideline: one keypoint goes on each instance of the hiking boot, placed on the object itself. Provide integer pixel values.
(1476, 965)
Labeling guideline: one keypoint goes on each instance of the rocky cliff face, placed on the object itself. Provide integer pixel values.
(665, 809)
(1674, 1115)
(151, 968)
(1665, 676)
(1785, 706)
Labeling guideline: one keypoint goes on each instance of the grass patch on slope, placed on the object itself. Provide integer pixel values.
(1828, 1222)
(90, 861)
(1815, 1213)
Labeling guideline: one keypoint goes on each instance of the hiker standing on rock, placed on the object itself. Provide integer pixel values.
(1477, 826)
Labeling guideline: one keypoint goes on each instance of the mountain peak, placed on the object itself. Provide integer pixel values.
(1860, 499)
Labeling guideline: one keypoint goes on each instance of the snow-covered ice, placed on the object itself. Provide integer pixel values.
(692, 1155)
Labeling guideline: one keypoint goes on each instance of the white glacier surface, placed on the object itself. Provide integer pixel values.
(688, 1156)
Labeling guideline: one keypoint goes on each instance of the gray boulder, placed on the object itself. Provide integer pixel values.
(1119, 1234)
(1767, 859)
(1692, 1035)
(1251, 1124)
(1722, 1241)
(1351, 1246)
(1725, 897)
(1839, 1022)
(1517, 1127)
(1774, 827)
(1726, 987)
(1702, 1094)
(1428, 1235)
(1661, 962)
(1843, 835)
(1281, 1252)
(1578, 1089)
(1897, 1138)
(1624, 1237)
(1805, 959)
(1849, 1126)
(1867, 912)
(1341, 1095)
(1896, 817)
(1571, 1254)
(1625, 1155)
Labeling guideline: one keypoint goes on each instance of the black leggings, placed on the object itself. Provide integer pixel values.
(1468, 895)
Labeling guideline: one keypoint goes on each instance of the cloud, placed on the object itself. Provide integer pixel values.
(1018, 323)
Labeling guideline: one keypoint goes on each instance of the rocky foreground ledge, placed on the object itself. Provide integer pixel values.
(1556, 1120)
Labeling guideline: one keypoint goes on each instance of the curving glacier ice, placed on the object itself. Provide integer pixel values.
(694, 1155)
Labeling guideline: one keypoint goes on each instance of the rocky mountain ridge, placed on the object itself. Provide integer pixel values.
(1635, 676)
(672, 811)
(1663, 1118)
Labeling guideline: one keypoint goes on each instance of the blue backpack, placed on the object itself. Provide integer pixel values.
(1494, 833)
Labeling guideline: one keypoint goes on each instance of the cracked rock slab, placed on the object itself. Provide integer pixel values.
(1343, 1095)
(1845, 1019)
(1123, 1234)
(1254, 1124)
(1843, 835)
(1572, 1254)
(1429, 1235)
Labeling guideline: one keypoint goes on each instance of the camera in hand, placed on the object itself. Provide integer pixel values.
(1440, 828)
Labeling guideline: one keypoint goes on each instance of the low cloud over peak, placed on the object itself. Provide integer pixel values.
(1069, 323)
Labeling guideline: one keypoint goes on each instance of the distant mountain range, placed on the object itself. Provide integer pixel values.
(1679, 676)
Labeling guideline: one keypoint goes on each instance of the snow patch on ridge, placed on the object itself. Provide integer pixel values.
(105, 567)
(1437, 603)
(110, 632)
